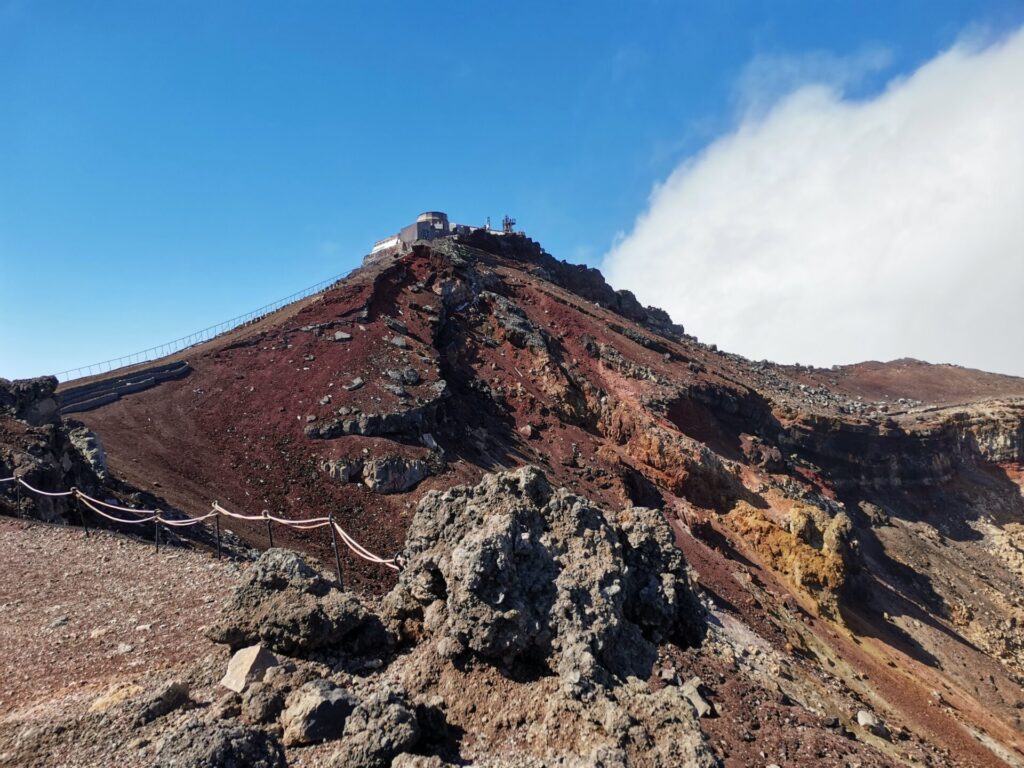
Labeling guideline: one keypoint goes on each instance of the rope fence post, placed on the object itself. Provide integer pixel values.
(81, 515)
(270, 527)
(156, 533)
(17, 497)
(334, 546)
(216, 525)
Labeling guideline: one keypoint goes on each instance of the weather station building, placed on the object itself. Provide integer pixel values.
(430, 225)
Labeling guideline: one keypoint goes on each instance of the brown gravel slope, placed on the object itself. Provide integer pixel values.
(79, 614)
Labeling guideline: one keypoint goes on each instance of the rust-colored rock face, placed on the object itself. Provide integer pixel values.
(857, 531)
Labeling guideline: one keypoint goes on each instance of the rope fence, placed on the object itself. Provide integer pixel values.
(170, 347)
(104, 509)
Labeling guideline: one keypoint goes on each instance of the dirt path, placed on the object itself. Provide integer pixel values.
(78, 614)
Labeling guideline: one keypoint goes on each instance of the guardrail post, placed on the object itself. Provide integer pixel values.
(337, 557)
(81, 515)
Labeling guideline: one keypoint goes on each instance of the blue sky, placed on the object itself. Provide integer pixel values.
(165, 166)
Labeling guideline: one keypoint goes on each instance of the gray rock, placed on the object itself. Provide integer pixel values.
(195, 744)
(343, 470)
(396, 326)
(406, 760)
(394, 474)
(292, 609)
(407, 375)
(247, 666)
(261, 703)
(169, 697)
(316, 712)
(869, 722)
(89, 447)
(380, 728)
(355, 384)
(519, 330)
(692, 690)
(400, 342)
(512, 571)
(395, 389)
(342, 336)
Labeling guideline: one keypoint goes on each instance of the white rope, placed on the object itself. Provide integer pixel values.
(297, 527)
(185, 523)
(313, 522)
(318, 520)
(235, 515)
(353, 545)
(115, 507)
(101, 513)
(149, 515)
(360, 548)
(44, 493)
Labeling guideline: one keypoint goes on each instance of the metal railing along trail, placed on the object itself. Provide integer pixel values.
(170, 347)
(116, 514)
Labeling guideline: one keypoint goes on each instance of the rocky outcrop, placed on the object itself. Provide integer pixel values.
(89, 447)
(390, 474)
(292, 609)
(810, 549)
(515, 572)
(46, 457)
(580, 279)
(394, 474)
(33, 401)
(412, 421)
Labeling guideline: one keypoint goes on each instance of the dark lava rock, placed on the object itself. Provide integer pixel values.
(292, 609)
(167, 698)
(316, 712)
(218, 745)
(515, 572)
(380, 728)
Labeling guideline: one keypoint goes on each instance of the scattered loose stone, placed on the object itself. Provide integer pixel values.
(692, 691)
(248, 666)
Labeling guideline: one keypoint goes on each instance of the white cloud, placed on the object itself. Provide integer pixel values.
(827, 230)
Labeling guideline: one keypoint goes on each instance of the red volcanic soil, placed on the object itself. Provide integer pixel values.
(913, 380)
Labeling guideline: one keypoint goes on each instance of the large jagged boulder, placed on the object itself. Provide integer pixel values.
(517, 573)
(289, 607)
